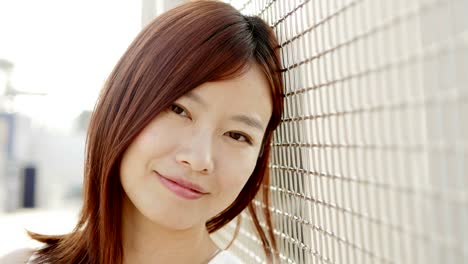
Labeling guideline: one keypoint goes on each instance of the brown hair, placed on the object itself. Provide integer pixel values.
(183, 48)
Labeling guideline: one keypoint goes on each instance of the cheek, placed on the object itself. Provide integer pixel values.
(132, 165)
(135, 155)
(234, 174)
(154, 140)
(138, 156)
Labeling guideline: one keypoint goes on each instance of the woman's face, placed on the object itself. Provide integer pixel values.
(192, 161)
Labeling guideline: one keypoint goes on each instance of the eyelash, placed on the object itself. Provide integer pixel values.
(178, 106)
(246, 140)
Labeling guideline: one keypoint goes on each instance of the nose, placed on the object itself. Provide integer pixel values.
(197, 153)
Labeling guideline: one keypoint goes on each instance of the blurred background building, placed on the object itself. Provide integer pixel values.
(53, 62)
(54, 59)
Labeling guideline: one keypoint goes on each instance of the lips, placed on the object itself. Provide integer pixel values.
(182, 188)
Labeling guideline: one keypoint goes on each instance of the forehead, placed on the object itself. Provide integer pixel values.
(248, 93)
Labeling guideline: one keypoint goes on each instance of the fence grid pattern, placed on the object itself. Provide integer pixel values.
(369, 162)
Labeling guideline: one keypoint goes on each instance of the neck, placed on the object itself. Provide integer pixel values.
(144, 241)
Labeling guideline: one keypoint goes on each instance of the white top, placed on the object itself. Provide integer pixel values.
(225, 257)
(26, 256)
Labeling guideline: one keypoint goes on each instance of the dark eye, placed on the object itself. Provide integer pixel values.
(178, 110)
(239, 137)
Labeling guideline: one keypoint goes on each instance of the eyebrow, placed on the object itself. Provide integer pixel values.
(247, 120)
(250, 121)
(195, 97)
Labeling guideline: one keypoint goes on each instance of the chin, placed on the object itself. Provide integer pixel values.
(174, 219)
(176, 223)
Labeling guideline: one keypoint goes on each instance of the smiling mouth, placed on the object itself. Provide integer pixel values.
(180, 190)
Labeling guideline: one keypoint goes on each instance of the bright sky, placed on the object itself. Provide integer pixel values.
(65, 48)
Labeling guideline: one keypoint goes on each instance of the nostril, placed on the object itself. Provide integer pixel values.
(197, 160)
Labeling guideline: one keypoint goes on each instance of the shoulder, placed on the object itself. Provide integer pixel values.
(225, 257)
(18, 256)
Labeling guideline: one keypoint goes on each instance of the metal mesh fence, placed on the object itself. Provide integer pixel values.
(369, 163)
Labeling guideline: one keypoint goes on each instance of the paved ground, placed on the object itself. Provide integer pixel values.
(13, 225)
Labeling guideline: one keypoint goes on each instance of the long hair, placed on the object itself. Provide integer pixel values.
(194, 43)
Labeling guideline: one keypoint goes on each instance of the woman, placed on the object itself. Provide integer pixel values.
(178, 143)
